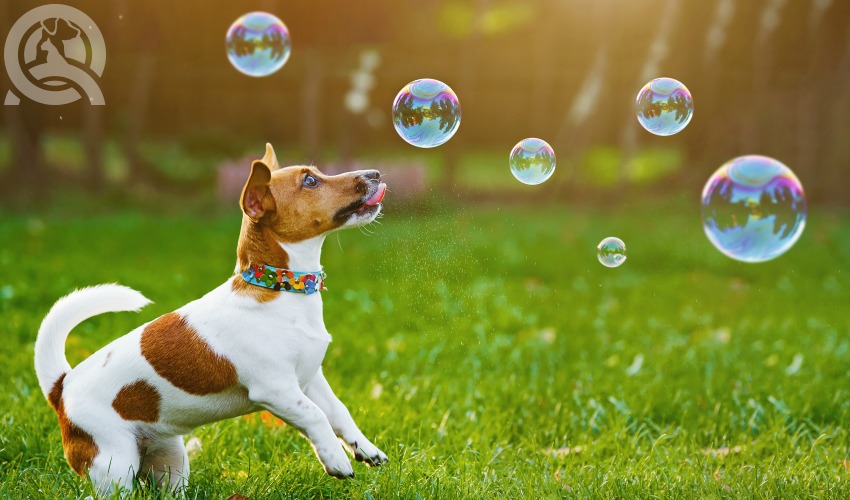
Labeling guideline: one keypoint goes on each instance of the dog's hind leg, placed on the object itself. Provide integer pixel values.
(166, 458)
(320, 392)
(115, 465)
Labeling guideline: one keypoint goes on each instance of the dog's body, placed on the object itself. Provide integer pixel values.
(239, 349)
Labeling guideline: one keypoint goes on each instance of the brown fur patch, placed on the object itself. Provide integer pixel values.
(138, 401)
(80, 448)
(257, 244)
(181, 356)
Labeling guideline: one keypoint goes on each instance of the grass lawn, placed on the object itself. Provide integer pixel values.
(488, 353)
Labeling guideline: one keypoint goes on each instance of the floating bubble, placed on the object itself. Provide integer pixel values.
(532, 161)
(426, 113)
(753, 208)
(664, 106)
(611, 252)
(258, 44)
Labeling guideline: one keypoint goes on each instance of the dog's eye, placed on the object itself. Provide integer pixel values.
(310, 181)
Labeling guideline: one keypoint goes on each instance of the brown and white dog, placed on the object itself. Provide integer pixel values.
(238, 349)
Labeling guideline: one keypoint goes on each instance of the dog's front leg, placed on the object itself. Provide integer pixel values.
(340, 419)
(287, 402)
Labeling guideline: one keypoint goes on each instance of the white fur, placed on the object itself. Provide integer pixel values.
(70, 311)
(304, 255)
(277, 348)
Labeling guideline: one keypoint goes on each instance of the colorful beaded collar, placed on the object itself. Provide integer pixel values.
(276, 278)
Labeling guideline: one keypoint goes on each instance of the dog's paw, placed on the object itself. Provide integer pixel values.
(368, 453)
(339, 466)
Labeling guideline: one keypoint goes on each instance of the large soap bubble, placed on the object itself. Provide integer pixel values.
(426, 113)
(258, 44)
(753, 208)
(664, 106)
(532, 161)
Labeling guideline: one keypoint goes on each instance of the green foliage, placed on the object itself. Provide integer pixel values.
(601, 166)
(460, 19)
(175, 162)
(650, 165)
(67, 152)
(488, 353)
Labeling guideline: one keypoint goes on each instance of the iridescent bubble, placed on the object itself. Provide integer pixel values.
(532, 161)
(664, 106)
(611, 252)
(258, 44)
(426, 113)
(753, 208)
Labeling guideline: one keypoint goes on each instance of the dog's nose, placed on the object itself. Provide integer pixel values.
(373, 175)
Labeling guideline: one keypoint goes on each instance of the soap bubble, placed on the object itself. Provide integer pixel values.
(532, 161)
(426, 113)
(753, 208)
(611, 252)
(664, 106)
(258, 44)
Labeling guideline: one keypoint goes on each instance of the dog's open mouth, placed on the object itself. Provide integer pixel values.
(377, 196)
(364, 205)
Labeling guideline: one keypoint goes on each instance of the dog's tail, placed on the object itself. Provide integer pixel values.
(68, 312)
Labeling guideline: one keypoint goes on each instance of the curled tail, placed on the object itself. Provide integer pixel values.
(68, 312)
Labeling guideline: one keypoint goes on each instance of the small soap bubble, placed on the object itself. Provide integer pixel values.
(532, 161)
(753, 208)
(611, 252)
(664, 106)
(258, 44)
(426, 113)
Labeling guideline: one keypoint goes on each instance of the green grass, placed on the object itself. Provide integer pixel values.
(468, 343)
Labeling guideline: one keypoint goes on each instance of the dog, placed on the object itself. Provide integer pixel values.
(254, 343)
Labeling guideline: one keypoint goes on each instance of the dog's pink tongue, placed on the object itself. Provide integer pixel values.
(378, 196)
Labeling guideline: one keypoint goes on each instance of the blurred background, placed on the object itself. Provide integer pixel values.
(768, 77)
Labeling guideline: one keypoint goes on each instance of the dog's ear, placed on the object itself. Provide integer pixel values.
(269, 158)
(256, 196)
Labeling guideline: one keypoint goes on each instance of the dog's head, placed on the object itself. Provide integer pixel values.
(300, 202)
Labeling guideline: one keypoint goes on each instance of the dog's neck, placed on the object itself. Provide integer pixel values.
(305, 255)
(259, 244)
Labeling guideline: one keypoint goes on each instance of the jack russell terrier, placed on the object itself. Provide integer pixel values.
(254, 343)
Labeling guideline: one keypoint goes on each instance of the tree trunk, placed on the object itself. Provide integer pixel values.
(453, 150)
(651, 69)
(93, 142)
(808, 130)
(23, 123)
(311, 103)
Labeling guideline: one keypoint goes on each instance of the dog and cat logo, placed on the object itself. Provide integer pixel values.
(54, 55)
